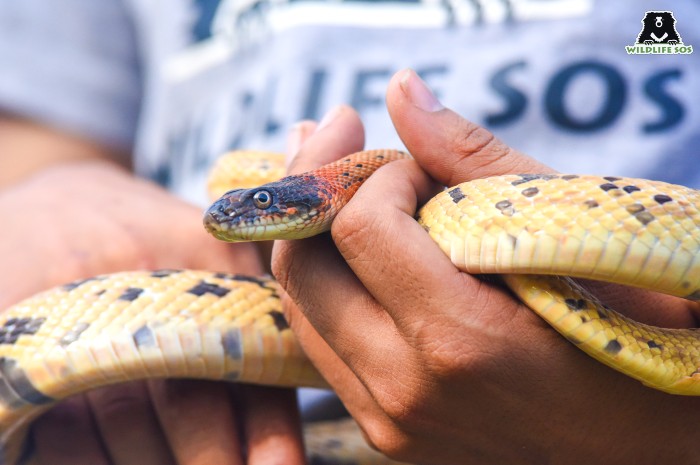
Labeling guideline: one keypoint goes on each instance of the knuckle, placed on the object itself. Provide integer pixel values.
(480, 144)
(403, 402)
(447, 363)
(480, 154)
(119, 401)
(385, 437)
(353, 230)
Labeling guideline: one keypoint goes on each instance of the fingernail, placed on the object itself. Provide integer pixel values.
(418, 92)
(329, 117)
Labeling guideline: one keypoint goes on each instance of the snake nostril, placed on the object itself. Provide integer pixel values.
(214, 216)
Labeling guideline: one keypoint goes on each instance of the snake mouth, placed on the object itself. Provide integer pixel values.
(232, 219)
(231, 231)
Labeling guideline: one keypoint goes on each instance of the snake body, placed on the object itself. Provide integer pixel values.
(201, 324)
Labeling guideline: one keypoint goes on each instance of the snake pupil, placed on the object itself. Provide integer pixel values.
(262, 199)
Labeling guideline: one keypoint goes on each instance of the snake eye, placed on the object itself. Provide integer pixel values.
(262, 199)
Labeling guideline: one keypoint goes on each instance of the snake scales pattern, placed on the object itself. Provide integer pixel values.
(178, 323)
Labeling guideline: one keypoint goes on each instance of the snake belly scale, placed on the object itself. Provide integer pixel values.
(180, 323)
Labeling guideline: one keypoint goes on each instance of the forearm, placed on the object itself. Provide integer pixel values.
(27, 147)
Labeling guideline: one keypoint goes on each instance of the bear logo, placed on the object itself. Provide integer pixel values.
(659, 27)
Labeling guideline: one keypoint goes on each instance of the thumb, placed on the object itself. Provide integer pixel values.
(450, 148)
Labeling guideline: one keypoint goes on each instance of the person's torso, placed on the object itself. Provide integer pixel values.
(550, 77)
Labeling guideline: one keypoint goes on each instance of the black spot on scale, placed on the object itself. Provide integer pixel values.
(242, 278)
(503, 204)
(613, 347)
(524, 178)
(346, 173)
(145, 337)
(72, 285)
(662, 199)
(226, 276)
(569, 177)
(630, 189)
(16, 327)
(644, 217)
(576, 305)
(379, 157)
(530, 192)
(591, 203)
(456, 194)
(695, 295)
(653, 345)
(608, 186)
(204, 287)
(359, 165)
(635, 208)
(130, 294)
(73, 334)
(232, 344)
(611, 178)
(279, 320)
(164, 273)
(16, 390)
(531, 177)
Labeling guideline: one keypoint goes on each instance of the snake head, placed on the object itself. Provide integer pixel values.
(291, 208)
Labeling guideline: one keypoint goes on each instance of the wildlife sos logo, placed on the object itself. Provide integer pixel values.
(659, 36)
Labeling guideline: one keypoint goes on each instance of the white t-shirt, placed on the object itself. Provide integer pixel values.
(187, 80)
(551, 78)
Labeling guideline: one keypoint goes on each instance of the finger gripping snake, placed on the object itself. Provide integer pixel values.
(531, 228)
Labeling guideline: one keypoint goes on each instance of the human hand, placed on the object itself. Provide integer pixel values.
(88, 218)
(82, 219)
(438, 366)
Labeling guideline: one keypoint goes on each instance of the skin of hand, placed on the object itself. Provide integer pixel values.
(436, 365)
(84, 216)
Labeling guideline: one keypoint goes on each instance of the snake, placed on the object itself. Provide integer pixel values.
(537, 231)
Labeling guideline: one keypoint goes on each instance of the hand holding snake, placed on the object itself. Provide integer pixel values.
(441, 366)
(478, 378)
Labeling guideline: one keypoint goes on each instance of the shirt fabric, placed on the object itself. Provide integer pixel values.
(183, 81)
